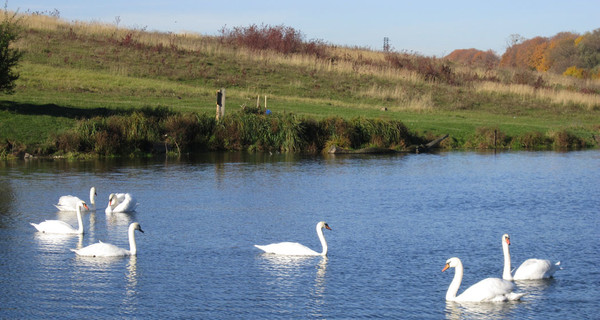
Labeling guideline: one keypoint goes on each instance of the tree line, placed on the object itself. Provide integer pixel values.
(565, 53)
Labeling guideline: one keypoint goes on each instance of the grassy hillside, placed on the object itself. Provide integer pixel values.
(73, 72)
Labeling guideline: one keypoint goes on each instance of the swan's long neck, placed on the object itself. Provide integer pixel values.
(506, 273)
(79, 220)
(132, 246)
(455, 284)
(322, 239)
(93, 197)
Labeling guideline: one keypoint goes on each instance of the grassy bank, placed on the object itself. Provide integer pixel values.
(74, 73)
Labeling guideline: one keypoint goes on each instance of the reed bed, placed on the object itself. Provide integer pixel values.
(158, 130)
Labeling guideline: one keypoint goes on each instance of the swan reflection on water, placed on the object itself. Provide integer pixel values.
(287, 271)
(318, 293)
(119, 218)
(56, 242)
(534, 288)
(480, 310)
(283, 265)
(131, 291)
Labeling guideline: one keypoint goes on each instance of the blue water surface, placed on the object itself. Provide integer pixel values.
(396, 219)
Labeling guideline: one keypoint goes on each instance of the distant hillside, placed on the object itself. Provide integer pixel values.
(72, 72)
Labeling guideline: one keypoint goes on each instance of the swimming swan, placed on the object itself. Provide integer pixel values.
(297, 249)
(489, 289)
(121, 202)
(69, 203)
(102, 249)
(58, 226)
(530, 269)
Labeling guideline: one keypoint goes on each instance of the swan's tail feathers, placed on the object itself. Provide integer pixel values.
(35, 225)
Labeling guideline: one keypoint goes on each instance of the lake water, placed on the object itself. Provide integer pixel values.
(396, 219)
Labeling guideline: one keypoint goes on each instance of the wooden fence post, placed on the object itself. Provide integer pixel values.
(220, 104)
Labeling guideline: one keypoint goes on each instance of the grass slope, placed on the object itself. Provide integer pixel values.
(74, 71)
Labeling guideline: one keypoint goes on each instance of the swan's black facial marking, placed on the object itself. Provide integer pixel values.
(327, 227)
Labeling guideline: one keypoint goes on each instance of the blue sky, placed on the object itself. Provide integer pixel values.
(432, 28)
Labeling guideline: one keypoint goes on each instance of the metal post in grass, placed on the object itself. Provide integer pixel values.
(220, 103)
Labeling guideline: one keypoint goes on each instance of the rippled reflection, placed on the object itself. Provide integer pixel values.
(287, 272)
(97, 263)
(130, 299)
(282, 266)
(55, 242)
(119, 218)
(482, 310)
(318, 293)
(534, 288)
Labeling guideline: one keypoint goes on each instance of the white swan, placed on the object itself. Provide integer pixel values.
(296, 249)
(102, 249)
(121, 202)
(69, 203)
(58, 226)
(489, 289)
(530, 269)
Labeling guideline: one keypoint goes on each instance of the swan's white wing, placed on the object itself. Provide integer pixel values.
(489, 289)
(535, 269)
(101, 249)
(126, 203)
(67, 203)
(120, 197)
(54, 226)
(288, 248)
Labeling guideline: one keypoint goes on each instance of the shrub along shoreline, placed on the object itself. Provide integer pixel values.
(159, 130)
(150, 131)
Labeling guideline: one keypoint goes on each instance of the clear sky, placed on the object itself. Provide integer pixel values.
(432, 28)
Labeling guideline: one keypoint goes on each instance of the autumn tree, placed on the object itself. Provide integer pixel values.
(588, 49)
(561, 52)
(526, 54)
(474, 57)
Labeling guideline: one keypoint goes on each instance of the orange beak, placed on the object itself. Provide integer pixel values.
(508, 241)
(327, 227)
(446, 267)
(85, 206)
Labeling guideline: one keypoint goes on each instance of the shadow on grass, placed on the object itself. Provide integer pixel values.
(60, 111)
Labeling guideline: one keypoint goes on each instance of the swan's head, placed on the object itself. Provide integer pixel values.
(136, 226)
(506, 238)
(111, 198)
(322, 225)
(82, 204)
(452, 263)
